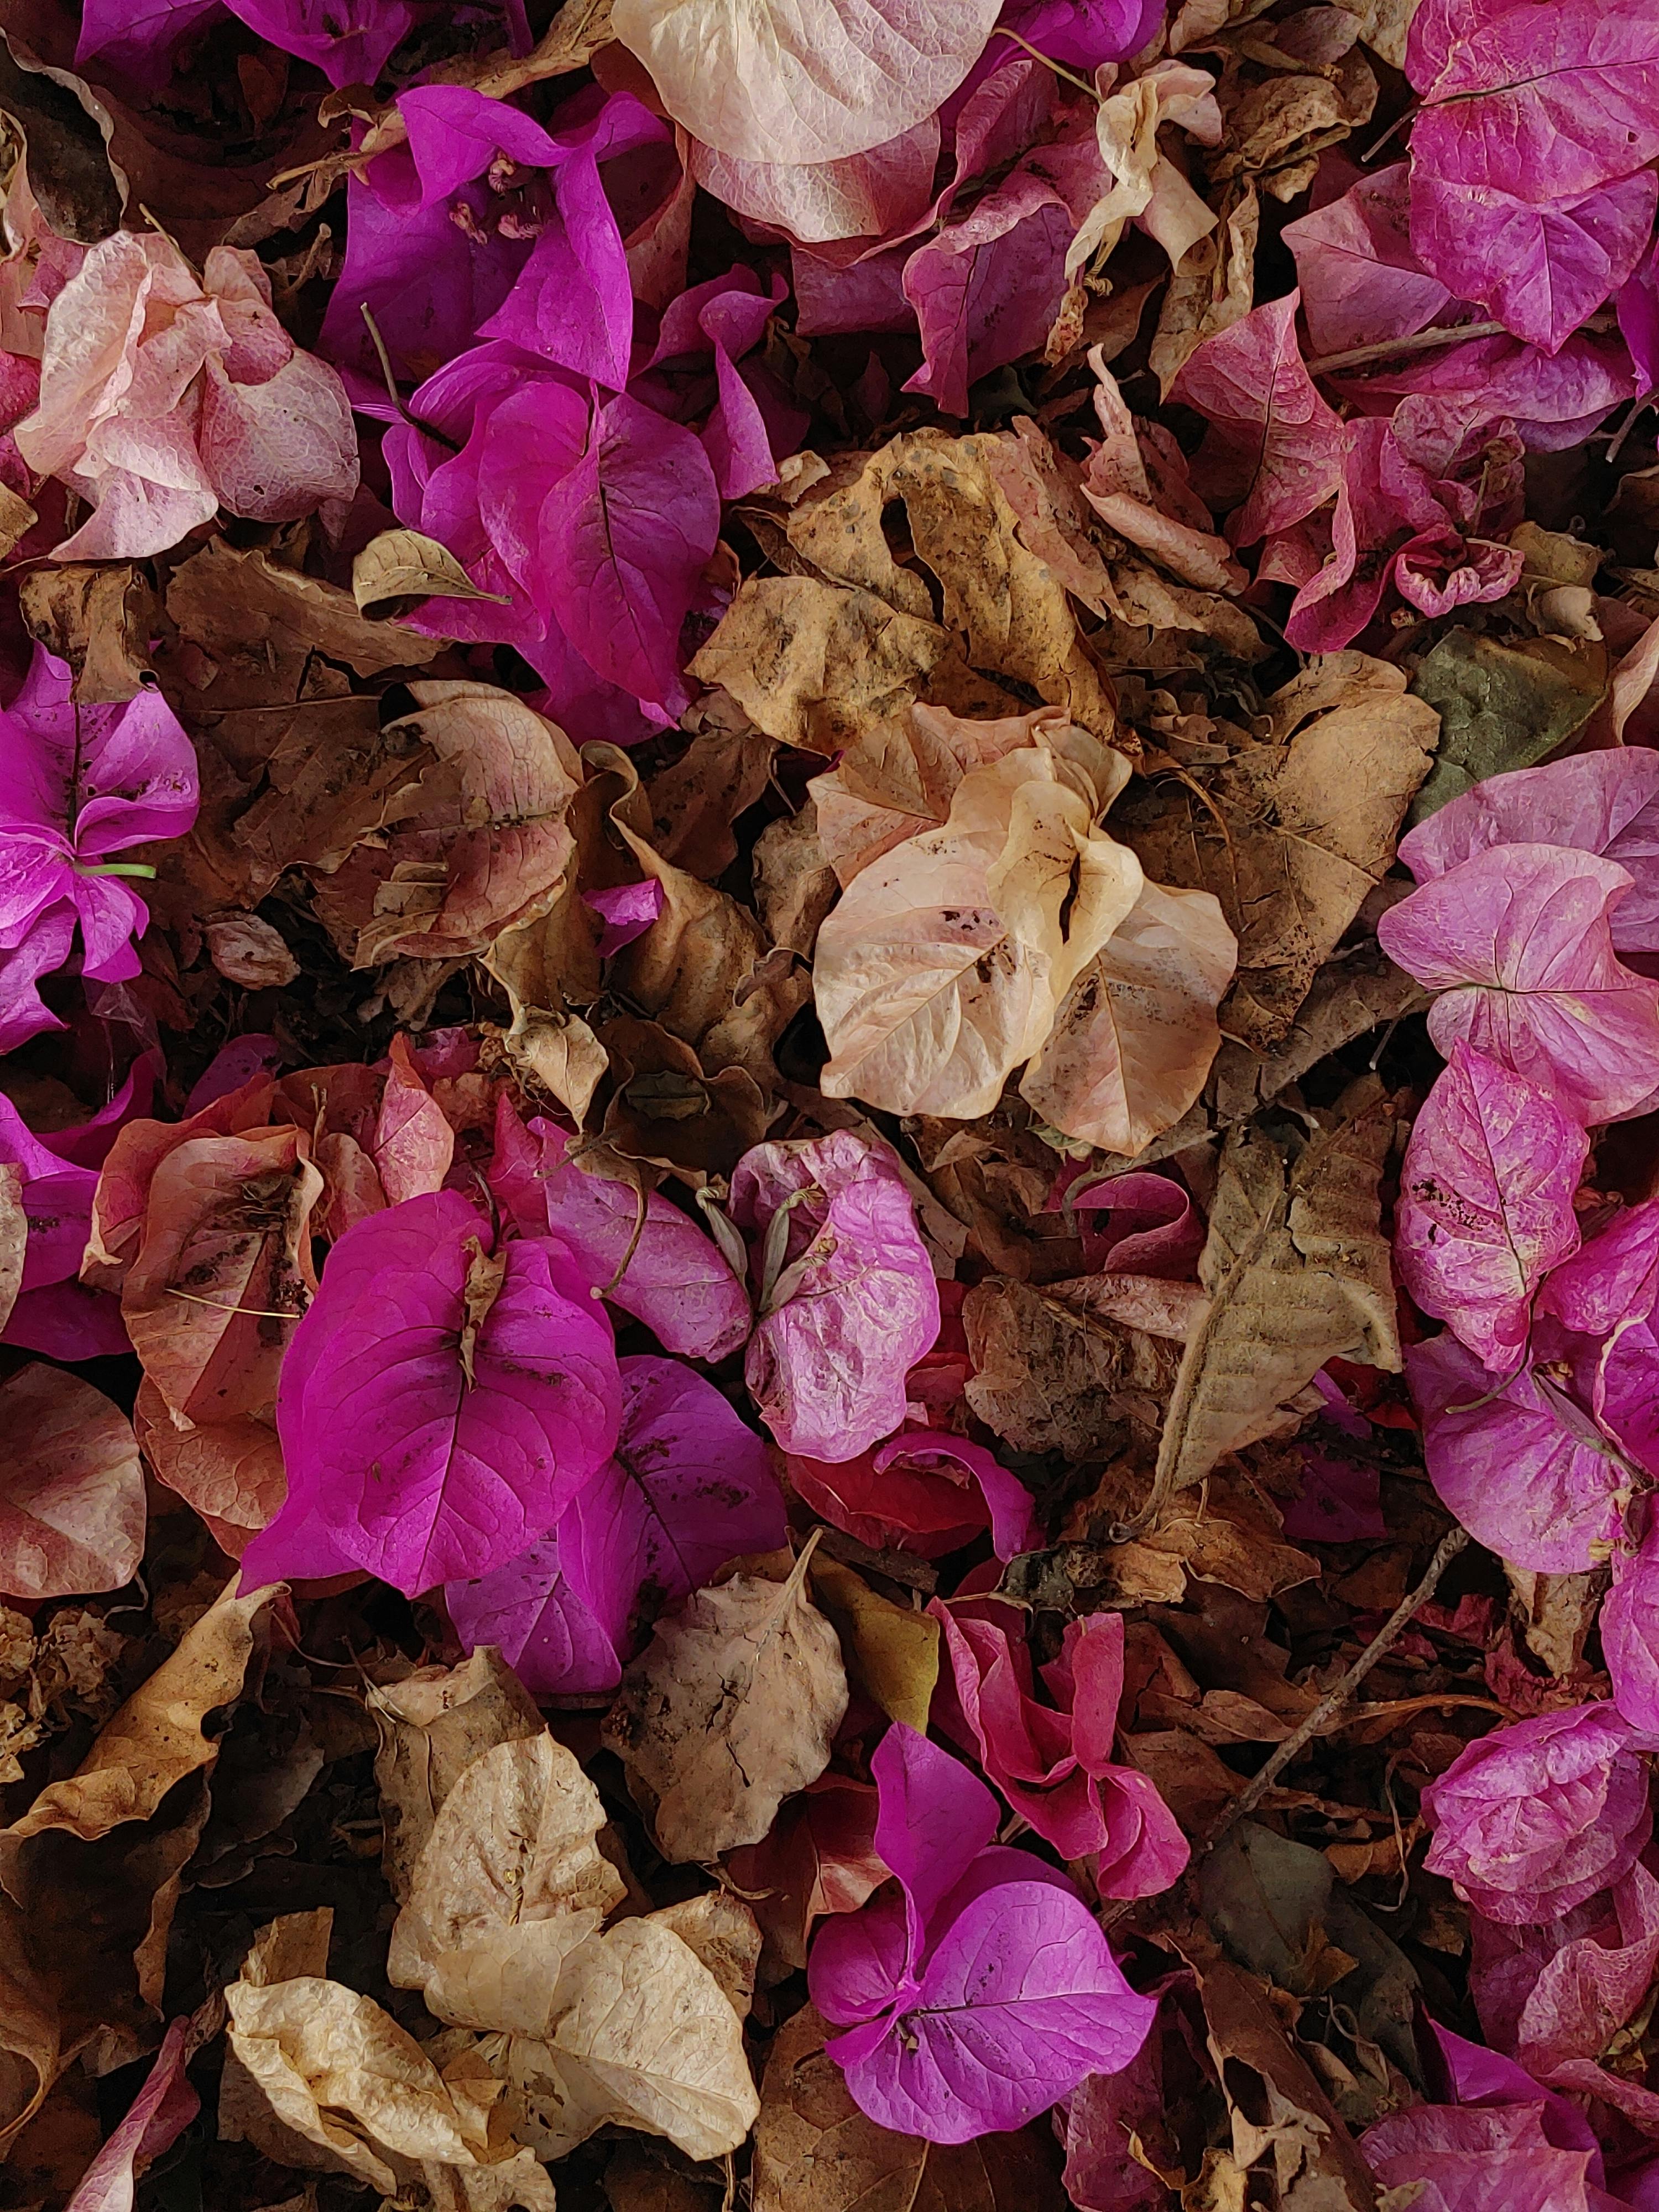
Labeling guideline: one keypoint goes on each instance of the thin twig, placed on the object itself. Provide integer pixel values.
(1342, 1690)
(1443, 334)
(1059, 67)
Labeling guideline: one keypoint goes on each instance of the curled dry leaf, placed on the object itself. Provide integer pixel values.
(1292, 834)
(731, 1708)
(157, 1737)
(508, 1883)
(433, 1725)
(402, 564)
(644, 2037)
(72, 1499)
(1297, 1268)
(341, 2075)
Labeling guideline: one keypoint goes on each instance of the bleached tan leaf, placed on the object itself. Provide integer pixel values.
(1297, 1268)
(644, 2037)
(783, 81)
(721, 1931)
(14, 1236)
(1213, 287)
(1144, 182)
(402, 564)
(341, 2075)
(941, 969)
(1007, 604)
(17, 519)
(1291, 834)
(898, 779)
(1135, 1036)
(246, 950)
(293, 1944)
(730, 1709)
(432, 1726)
(506, 1885)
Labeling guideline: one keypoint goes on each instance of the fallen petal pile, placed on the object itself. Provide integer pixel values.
(830, 1106)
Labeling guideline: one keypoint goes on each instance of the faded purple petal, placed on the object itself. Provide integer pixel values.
(1517, 940)
(1485, 1202)
(1527, 1473)
(1606, 803)
(849, 1303)
(549, 1635)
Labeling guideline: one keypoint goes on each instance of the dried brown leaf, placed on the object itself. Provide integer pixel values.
(1047, 1378)
(730, 1709)
(940, 970)
(1297, 1268)
(157, 1739)
(725, 1935)
(246, 950)
(98, 619)
(223, 1271)
(814, 2149)
(1296, 830)
(261, 625)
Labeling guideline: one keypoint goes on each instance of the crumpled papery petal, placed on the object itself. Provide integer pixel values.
(1517, 940)
(1485, 1202)
(1053, 1763)
(1536, 105)
(1524, 1468)
(1607, 1294)
(1535, 1818)
(1539, 270)
(922, 1493)
(162, 399)
(1462, 2158)
(992, 1993)
(848, 1301)
(1274, 450)
(1555, 1996)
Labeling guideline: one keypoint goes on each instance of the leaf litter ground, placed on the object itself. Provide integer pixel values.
(828, 1071)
